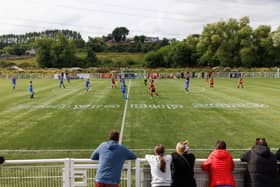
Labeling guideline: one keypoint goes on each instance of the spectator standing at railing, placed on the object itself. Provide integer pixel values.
(220, 166)
(182, 167)
(160, 167)
(262, 166)
(2, 159)
(278, 159)
(111, 156)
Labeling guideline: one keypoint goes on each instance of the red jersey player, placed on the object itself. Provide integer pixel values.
(153, 89)
(211, 83)
(113, 82)
(240, 83)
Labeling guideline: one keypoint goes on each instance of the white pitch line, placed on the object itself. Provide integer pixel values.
(124, 114)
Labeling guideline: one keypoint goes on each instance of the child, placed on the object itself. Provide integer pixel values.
(31, 90)
(123, 89)
(187, 84)
(153, 89)
(240, 83)
(211, 83)
(14, 80)
(87, 85)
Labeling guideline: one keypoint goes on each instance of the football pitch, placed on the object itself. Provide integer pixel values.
(72, 122)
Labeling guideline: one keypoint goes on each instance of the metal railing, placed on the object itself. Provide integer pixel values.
(164, 75)
(54, 173)
(81, 172)
(143, 176)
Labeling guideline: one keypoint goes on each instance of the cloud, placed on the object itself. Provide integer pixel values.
(164, 18)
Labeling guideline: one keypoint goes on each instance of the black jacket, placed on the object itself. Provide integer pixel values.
(2, 159)
(278, 159)
(181, 171)
(262, 167)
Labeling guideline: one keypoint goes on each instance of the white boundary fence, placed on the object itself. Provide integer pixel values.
(96, 76)
(81, 172)
(54, 173)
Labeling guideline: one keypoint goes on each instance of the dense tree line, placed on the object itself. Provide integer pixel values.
(30, 37)
(231, 43)
(117, 41)
(61, 52)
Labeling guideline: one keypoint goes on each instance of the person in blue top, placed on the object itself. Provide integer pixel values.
(187, 84)
(111, 156)
(87, 85)
(14, 82)
(123, 89)
(61, 81)
(31, 91)
(67, 77)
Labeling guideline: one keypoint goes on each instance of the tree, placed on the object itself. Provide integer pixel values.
(56, 53)
(276, 38)
(248, 56)
(15, 49)
(181, 55)
(96, 44)
(154, 59)
(43, 53)
(119, 34)
(91, 58)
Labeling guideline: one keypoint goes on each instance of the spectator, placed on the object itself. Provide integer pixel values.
(2, 159)
(182, 167)
(220, 166)
(160, 167)
(111, 156)
(278, 159)
(262, 169)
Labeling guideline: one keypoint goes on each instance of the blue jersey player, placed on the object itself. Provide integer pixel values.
(187, 84)
(87, 85)
(31, 91)
(14, 82)
(61, 80)
(123, 89)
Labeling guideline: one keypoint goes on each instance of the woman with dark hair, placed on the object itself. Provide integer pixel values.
(220, 166)
(160, 167)
(182, 166)
(262, 168)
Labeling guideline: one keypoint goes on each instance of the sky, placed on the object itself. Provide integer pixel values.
(158, 18)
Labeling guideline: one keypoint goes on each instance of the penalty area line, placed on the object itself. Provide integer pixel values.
(124, 114)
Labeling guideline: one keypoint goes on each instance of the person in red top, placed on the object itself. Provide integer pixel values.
(220, 166)
(153, 89)
(211, 83)
(240, 84)
(113, 82)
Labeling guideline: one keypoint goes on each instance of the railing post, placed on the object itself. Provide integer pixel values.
(67, 172)
(138, 173)
(129, 174)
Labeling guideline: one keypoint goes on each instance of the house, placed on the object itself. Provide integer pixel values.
(31, 52)
(149, 39)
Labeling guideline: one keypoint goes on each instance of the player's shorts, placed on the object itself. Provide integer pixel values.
(153, 90)
(98, 184)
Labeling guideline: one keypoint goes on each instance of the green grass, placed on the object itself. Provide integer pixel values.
(138, 57)
(25, 124)
(114, 57)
